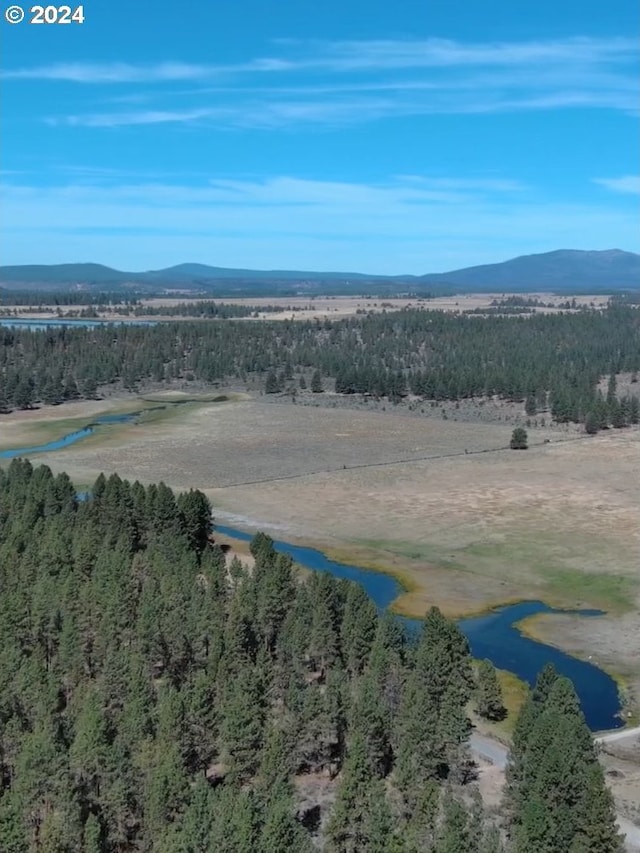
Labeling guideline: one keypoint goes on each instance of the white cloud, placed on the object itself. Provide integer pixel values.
(355, 81)
(625, 184)
(388, 54)
(123, 72)
(408, 224)
(137, 117)
(349, 56)
(271, 113)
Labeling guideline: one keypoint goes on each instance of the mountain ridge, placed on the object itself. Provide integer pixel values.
(561, 269)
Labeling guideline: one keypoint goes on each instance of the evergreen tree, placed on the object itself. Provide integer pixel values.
(281, 831)
(519, 439)
(489, 699)
(271, 386)
(453, 836)
(316, 383)
(242, 725)
(351, 827)
(195, 517)
(555, 779)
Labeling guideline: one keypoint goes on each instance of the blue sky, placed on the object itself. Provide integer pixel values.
(383, 137)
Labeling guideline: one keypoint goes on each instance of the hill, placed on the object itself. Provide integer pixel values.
(564, 270)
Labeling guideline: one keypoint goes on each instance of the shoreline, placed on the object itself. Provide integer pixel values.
(522, 627)
(629, 713)
(418, 585)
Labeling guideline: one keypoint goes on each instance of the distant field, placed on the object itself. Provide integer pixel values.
(335, 307)
(463, 530)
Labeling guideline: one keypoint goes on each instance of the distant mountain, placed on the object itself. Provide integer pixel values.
(564, 270)
(61, 274)
(201, 272)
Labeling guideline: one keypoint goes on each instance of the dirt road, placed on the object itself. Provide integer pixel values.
(495, 752)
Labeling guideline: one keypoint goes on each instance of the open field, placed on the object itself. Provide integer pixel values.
(41, 425)
(323, 307)
(464, 530)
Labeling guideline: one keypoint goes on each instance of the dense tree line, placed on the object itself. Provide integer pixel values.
(35, 300)
(553, 361)
(154, 698)
(207, 309)
(95, 305)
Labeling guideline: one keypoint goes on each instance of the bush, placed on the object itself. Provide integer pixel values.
(519, 440)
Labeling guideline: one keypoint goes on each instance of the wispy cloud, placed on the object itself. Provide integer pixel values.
(356, 81)
(349, 56)
(137, 117)
(430, 53)
(122, 72)
(626, 184)
(410, 223)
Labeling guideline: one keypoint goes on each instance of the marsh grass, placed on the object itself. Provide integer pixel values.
(152, 411)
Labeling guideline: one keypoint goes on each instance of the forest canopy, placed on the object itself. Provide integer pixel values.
(156, 697)
(553, 360)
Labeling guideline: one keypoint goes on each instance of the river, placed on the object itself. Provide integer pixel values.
(493, 635)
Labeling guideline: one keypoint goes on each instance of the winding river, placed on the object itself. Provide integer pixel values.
(494, 635)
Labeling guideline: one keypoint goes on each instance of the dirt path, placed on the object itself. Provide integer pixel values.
(625, 734)
(488, 749)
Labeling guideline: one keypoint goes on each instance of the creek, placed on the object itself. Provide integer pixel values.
(494, 635)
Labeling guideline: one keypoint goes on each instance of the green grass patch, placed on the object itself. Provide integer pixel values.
(610, 592)
(362, 557)
(514, 693)
(152, 411)
(42, 432)
(415, 552)
(560, 569)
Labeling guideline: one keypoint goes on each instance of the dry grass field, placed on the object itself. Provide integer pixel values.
(331, 307)
(464, 530)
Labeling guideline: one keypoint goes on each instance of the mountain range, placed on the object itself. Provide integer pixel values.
(564, 270)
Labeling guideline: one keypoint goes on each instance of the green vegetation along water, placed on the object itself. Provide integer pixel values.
(493, 635)
(154, 696)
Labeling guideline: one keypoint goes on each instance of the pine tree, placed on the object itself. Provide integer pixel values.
(350, 826)
(316, 383)
(556, 788)
(488, 692)
(519, 439)
(598, 831)
(453, 836)
(272, 386)
(195, 518)
(242, 725)
(281, 831)
(370, 719)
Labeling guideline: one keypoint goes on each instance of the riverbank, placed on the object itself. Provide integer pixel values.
(44, 424)
(492, 636)
(466, 532)
(593, 643)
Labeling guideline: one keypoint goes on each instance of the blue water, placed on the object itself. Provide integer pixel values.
(42, 325)
(493, 635)
(71, 438)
